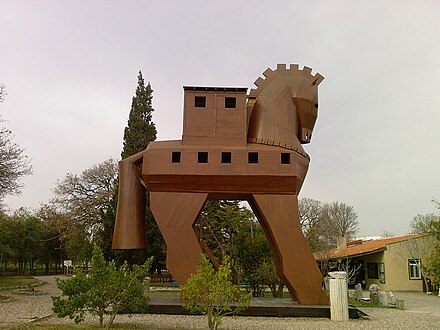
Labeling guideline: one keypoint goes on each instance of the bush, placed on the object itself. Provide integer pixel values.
(107, 290)
(212, 293)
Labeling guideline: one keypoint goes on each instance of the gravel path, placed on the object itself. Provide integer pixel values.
(36, 309)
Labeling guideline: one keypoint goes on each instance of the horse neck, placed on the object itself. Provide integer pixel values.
(274, 121)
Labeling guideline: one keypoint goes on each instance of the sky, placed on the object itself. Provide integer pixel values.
(70, 69)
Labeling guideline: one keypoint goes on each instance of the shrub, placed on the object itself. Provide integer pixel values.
(107, 290)
(212, 293)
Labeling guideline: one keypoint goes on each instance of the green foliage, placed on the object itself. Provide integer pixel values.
(106, 291)
(269, 277)
(18, 281)
(25, 241)
(225, 218)
(231, 229)
(432, 266)
(251, 251)
(212, 293)
(138, 133)
(140, 130)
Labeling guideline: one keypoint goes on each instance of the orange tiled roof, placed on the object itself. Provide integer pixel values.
(359, 247)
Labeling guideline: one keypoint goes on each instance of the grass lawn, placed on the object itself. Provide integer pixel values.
(17, 281)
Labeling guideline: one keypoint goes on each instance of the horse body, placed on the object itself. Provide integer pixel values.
(234, 146)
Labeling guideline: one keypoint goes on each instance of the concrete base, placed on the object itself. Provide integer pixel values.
(271, 307)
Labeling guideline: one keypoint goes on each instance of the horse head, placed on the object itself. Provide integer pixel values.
(284, 107)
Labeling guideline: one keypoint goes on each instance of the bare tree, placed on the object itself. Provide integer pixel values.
(351, 270)
(309, 212)
(2, 93)
(387, 233)
(13, 164)
(87, 196)
(422, 223)
(343, 217)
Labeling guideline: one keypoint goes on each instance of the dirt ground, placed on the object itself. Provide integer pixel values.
(421, 311)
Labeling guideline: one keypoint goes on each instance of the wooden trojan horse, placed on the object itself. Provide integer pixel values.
(234, 146)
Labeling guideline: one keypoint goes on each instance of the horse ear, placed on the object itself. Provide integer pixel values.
(317, 79)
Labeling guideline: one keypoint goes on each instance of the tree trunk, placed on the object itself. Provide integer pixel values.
(280, 290)
(112, 318)
(210, 318)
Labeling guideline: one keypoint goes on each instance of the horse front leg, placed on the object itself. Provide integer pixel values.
(295, 264)
(129, 232)
(175, 214)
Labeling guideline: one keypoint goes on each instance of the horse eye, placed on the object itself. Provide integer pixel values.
(316, 105)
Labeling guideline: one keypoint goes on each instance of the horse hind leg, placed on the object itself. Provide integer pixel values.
(296, 266)
(175, 214)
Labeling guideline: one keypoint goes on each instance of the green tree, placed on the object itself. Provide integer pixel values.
(432, 267)
(140, 130)
(106, 291)
(212, 293)
(255, 260)
(269, 277)
(138, 133)
(230, 229)
(219, 224)
(430, 223)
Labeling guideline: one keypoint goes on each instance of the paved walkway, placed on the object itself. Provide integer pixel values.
(420, 302)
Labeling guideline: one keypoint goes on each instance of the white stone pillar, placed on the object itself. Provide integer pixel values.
(338, 296)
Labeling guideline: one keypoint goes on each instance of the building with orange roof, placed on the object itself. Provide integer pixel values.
(393, 263)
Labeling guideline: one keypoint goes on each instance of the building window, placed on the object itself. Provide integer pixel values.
(414, 269)
(253, 157)
(175, 157)
(202, 157)
(373, 270)
(230, 102)
(226, 158)
(285, 158)
(200, 101)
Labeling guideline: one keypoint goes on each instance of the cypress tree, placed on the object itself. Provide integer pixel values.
(140, 130)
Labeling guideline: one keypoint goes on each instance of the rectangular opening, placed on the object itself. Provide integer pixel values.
(226, 157)
(175, 157)
(253, 157)
(230, 102)
(285, 158)
(414, 269)
(373, 270)
(200, 101)
(202, 157)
